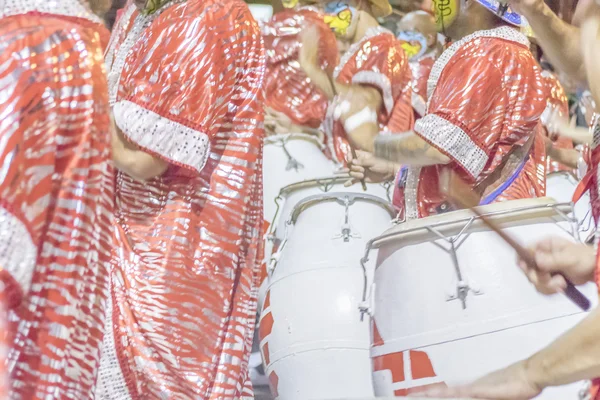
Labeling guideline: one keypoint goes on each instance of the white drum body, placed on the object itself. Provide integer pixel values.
(291, 195)
(561, 186)
(422, 332)
(288, 159)
(314, 344)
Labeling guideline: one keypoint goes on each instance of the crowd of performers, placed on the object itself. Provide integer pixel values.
(131, 175)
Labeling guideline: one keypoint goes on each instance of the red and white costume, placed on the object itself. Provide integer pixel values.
(486, 97)
(56, 196)
(379, 61)
(421, 69)
(558, 102)
(288, 89)
(186, 85)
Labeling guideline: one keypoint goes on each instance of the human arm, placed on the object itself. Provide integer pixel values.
(408, 148)
(371, 169)
(560, 41)
(590, 46)
(567, 157)
(135, 162)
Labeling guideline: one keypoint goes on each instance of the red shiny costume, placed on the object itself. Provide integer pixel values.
(288, 89)
(377, 60)
(421, 68)
(557, 102)
(186, 85)
(486, 97)
(56, 196)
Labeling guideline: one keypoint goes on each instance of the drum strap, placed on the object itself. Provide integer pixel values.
(508, 170)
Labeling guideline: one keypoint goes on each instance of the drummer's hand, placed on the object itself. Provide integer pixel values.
(371, 169)
(526, 7)
(554, 255)
(512, 383)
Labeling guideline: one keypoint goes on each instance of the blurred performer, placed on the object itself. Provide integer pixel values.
(486, 97)
(557, 108)
(576, 355)
(56, 195)
(293, 102)
(185, 84)
(372, 90)
(419, 37)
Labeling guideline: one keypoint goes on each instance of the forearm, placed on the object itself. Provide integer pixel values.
(133, 161)
(567, 157)
(559, 40)
(408, 148)
(320, 79)
(573, 357)
(591, 55)
(277, 6)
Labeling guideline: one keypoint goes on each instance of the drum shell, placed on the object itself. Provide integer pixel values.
(506, 322)
(312, 335)
(305, 149)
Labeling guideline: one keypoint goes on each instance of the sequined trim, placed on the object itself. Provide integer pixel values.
(110, 383)
(453, 141)
(595, 129)
(162, 136)
(18, 253)
(504, 32)
(410, 193)
(66, 8)
(379, 80)
(371, 32)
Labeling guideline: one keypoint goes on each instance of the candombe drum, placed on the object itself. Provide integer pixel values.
(448, 303)
(290, 195)
(560, 186)
(313, 342)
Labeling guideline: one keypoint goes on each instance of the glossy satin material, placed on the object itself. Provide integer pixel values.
(557, 102)
(56, 191)
(186, 87)
(288, 89)
(486, 97)
(420, 69)
(379, 61)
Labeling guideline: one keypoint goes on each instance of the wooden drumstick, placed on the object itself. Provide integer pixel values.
(459, 193)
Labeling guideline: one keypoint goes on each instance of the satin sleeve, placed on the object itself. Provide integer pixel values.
(177, 87)
(386, 68)
(464, 116)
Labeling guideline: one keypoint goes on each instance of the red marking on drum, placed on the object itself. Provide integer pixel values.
(267, 302)
(274, 383)
(377, 339)
(266, 326)
(418, 389)
(420, 371)
(394, 363)
(421, 365)
(266, 355)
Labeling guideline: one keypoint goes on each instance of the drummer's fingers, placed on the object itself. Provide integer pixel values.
(350, 182)
(357, 169)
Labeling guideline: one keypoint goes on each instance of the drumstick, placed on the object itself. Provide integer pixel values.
(459, 193)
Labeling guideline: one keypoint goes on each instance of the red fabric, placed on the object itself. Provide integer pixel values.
(421, 69)
(288, 89)
(188, 244)
(57, 186)
(487, 101)
(381, 56)
(557, 100)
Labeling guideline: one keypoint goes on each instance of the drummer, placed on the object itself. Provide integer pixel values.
(485, 102)
(293, 103)
(576, 355)
(419, 37)
(372, 90)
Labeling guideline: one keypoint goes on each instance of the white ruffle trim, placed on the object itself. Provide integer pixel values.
(163, 136)
(379, 80)
(18, 253)
(454, 141)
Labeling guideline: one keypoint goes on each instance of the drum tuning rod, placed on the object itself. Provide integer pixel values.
(461, 194)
